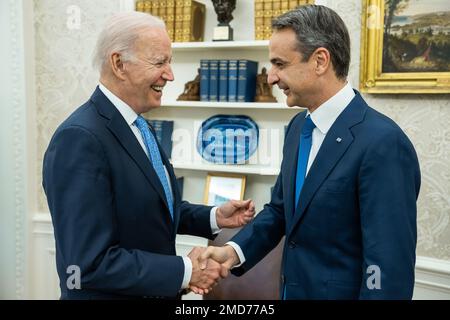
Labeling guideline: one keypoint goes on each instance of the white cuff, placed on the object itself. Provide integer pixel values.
(187, 272)
(239, 253)
(213, 221)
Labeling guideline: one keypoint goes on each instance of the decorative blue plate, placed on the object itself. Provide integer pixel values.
(227, 139)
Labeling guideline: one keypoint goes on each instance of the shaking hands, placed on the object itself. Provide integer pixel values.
(210, 265)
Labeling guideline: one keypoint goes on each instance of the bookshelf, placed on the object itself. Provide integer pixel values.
(188, 115)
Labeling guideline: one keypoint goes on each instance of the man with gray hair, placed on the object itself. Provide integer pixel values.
(345, 199)
(111, 190)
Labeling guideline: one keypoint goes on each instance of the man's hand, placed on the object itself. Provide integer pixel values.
(225, 255)
(234, 213)
(202, 280)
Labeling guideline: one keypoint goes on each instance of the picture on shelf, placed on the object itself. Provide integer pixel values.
(220, 188)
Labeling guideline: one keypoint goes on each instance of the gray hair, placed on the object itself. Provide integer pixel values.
(119, 35)
(318, 26)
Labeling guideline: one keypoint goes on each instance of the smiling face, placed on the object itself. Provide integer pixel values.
(296, 78)
(147, 74)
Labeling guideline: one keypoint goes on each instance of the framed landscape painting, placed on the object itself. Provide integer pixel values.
(405, 46)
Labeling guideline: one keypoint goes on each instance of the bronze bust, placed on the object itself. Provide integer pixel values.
(223, 9)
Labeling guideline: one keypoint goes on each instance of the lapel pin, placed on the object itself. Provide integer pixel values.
(338, 140)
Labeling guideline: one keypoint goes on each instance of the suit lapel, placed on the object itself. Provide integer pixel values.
(120, 129)
(336, 142)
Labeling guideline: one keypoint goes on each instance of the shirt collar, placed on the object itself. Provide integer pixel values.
(326, 114)
(125, 110)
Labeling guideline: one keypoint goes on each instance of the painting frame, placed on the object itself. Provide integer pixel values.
(225, 186)
(372, 79)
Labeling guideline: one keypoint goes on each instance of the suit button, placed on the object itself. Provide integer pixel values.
(292, 244)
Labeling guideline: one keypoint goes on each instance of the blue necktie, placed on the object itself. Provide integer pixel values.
(155, 157)
(302, 163)
(303, 156)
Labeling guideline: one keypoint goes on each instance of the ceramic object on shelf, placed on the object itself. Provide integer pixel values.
(228, 139)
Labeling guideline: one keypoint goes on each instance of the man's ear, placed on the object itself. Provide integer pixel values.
(322, 60)
(117, 65)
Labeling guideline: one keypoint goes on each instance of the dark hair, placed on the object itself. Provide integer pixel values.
(318, 26)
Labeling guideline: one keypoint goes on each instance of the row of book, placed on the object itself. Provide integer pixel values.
(228, 80)
(266, 10)
(184, 19)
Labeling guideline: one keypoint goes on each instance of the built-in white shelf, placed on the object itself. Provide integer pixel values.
(243, 169)
(220, 45)
(226, 105)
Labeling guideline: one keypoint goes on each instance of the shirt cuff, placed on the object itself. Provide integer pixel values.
(187, 272)
(239, 253)
(213, 221)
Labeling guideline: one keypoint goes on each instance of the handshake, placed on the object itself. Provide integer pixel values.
(209, 265)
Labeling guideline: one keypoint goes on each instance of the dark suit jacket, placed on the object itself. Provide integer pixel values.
(109, 210)
(357, 209)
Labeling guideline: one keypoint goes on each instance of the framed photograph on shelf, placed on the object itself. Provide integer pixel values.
(405, 46)
(220, 188)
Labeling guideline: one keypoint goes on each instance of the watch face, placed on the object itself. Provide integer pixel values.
(227, 139)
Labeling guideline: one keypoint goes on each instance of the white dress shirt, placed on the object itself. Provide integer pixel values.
(323, 117)
(130, 117)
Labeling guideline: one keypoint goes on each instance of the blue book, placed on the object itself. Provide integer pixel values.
(213, 80)
(204, 80)
(232, 80)
(223, 80)
(163, 130)
(247, 71)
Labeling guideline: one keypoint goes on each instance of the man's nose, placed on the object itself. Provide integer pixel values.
(168, 74)
(272, 78)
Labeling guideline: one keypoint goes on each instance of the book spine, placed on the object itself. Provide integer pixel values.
(204, 80)
(247, 80)
(284, 6)
(259, 20)
(213, 80)
(223, 80)
(187, 16)
(148, 6)
(170, 14)
(267, 19)
(276, 8)
(163, 131)
(140, 6)
(155, 8)
(179, 20)
(232, 80)
(293, 4)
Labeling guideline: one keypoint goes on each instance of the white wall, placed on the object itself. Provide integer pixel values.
(13, 152)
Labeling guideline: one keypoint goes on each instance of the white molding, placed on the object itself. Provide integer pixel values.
(432, 279)
(228, 105)
(18, 143)
(245, 168)
(221, 45)
(433, 265)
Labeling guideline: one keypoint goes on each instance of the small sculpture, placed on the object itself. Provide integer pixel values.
(223, 9)
(191, 90)
(263, 88)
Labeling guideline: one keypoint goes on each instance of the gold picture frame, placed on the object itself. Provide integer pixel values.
(373, 75)
(220, 188)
